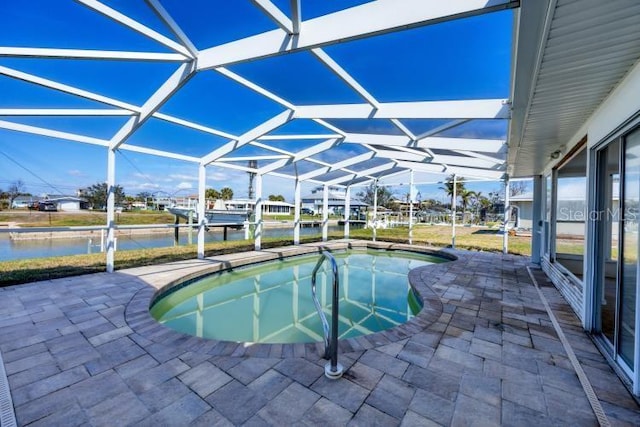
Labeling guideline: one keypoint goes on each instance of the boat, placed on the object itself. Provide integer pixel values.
(230, 217)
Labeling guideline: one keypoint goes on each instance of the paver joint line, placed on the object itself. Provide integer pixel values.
(603, 420)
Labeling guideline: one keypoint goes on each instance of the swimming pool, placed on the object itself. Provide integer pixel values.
(271, 302)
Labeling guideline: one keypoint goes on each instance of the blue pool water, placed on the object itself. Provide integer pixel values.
(272, 303)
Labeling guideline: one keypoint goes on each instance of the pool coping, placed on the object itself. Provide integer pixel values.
(139, 319)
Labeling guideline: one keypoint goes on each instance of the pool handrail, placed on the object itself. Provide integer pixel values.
(332, 370)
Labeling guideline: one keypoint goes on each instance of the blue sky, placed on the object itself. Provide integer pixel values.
(463, 59)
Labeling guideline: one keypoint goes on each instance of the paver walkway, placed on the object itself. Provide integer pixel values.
(77, 352)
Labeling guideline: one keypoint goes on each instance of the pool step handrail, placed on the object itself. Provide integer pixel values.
(333, 369)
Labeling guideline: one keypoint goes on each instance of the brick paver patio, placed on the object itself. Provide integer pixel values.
(84, 351)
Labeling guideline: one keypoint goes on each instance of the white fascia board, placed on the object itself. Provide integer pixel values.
(262, 91)
(346, 77)
(266, 127)
(35, 130)
(162, 95)
(192, 125)
(135, 25)
(447, 170)
(377, 17)
(276, 15)
(337, 166)
(466, 109)
(469, 144)
(63, 112)
(30, 78)
(364, 173)
(32, 52)
(159, 153)
(173, 26)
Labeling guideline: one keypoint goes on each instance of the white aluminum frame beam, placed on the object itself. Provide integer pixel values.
(178, 79)
(135, 25)
(129, 109)
(64, 112)
(346, 77)
(383, 16)
(30, 78)
(296, 16)
(35, 130)
(38, 52)
(264, 128)
(275, 14)
(433, 142)
(337, 166)
(466, 109)
(302, 155)
(161, 12)
(458, 170)
(364, 173)
(256, 88)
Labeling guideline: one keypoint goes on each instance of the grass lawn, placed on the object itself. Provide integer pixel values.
(85, 218)
(30, 270)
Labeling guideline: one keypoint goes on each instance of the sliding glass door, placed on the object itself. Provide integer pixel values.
(616, 273)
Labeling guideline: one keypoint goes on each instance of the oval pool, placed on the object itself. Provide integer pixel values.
(271, 302)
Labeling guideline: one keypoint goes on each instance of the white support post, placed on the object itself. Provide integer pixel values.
(375, 208)
(296, 217)
(347, 211)
(325, 213)
(536, 237)
(507, 211)
(453, 212)
(202, 220)
(111, 209)
(411, 207)
(258, 216)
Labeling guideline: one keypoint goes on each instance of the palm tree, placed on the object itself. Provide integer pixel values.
(226, 193)
(448, 187)
(466, 196)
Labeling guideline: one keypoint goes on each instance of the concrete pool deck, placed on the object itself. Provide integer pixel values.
(83, 351)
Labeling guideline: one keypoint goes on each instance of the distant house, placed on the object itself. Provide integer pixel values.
(23, 201)
(67, 203)
(268, 206)
(336, 202)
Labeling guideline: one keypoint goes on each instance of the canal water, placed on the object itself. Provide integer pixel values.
(41, 248)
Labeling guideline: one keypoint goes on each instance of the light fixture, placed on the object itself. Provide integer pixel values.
(555, 154)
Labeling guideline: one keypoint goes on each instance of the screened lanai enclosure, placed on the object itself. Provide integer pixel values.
(330, 95)
(307, 94)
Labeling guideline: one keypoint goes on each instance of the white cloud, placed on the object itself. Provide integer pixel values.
(76, 172)
(184, 186)
(183, 177)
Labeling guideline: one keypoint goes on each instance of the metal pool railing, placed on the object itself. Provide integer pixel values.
(333, 369)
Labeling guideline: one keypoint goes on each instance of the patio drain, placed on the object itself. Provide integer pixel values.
(7, 415)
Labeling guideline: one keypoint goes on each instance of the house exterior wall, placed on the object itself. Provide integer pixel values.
(617, 115)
